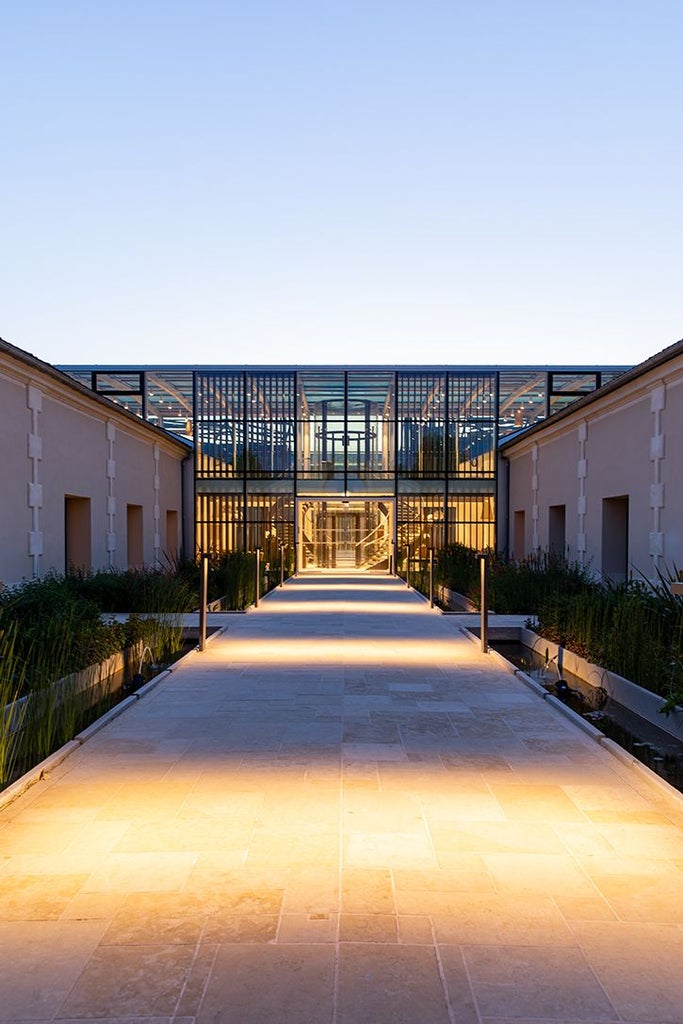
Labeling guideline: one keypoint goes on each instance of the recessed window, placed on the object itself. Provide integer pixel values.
(557, 525)
(77, 533)
(134, 537)
(518, 538)
(615, 538)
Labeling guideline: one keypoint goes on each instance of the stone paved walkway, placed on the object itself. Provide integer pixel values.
(341, 813)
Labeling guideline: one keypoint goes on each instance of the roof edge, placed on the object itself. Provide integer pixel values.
(658, 359)
(62, 378)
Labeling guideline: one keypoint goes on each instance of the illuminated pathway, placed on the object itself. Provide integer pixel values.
(341, 813)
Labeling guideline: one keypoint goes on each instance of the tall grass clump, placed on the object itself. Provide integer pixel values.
(138, 590)
(235, 578)
(12, 713)
(634, 629)
(515, 587)
(57, 630)
(457, 568)
(48, 633)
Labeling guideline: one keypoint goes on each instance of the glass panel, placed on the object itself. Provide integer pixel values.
(370, 425)
(133, 403)
(421, 408)
(472, 425)
(169, 400)
(581, 382)
(270, 521)
(471, 521)
(321, 423)
(471, 447)
(521, 399)
(219, 425)
(607, 375)
(565, 388)
(83, 377)
(558, 402)
(270, 424)
(220, 519)
(471, 396)
(420, 523)
(116, 381)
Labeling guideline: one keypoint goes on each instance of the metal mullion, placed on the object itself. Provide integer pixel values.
(345, 439)
(295, 473)
(446, 453)
(142, 384)
(396, 502)
(496, 516)
(242, 379)
(195, 431)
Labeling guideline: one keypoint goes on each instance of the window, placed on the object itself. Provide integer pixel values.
(518, 535)
(77, 533)
(134, 537)
(172, 539)
(615, 538)
(557, 539)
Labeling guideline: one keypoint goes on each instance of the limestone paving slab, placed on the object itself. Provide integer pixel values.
(341, 811)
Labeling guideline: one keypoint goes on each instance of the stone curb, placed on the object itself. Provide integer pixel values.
(18, 788)
(672, 795)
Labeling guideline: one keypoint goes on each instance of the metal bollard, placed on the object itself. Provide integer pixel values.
(282, 564)
(431, 577)
(257, 595)
(484, 601)
(203, 599)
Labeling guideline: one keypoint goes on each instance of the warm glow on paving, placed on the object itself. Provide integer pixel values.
(340, 651)
(339, 608)
(341, 812)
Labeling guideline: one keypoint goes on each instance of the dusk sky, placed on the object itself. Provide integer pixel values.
(341, 182)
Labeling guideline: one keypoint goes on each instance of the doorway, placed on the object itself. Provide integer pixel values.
(345, 534)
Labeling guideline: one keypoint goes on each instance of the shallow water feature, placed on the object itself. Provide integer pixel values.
(655, 748)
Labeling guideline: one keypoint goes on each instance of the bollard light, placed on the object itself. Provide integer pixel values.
(484, 600)
(431, 577)
(203, 599)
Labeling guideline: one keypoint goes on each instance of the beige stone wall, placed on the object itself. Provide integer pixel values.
(58, 441)
(620, 450)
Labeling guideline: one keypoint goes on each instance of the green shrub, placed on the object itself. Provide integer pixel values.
(235, 574)
(634, 629)
(137, 590)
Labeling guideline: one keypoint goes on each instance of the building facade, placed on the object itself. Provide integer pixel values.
(85, 484)
(346, 467)
(602, 482)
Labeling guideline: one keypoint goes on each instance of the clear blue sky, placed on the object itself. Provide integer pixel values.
(341, 181)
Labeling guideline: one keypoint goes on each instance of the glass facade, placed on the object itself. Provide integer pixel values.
(345, 467)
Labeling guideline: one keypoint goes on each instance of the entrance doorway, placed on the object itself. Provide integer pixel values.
(345, 534)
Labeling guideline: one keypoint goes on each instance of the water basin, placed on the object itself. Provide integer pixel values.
(660, 751)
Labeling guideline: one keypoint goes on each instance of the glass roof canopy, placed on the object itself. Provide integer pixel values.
(165, 394)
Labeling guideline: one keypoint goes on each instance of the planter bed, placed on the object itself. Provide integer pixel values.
(610, 708)
(637, 699)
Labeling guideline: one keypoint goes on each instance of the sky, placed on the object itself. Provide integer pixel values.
(341, 181)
